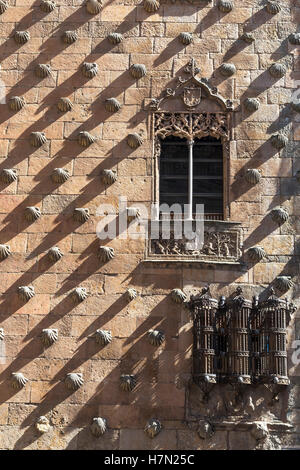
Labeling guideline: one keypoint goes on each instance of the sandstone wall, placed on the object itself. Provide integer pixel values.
(150, 39)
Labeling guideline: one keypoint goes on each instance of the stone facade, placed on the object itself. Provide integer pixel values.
(163, 388)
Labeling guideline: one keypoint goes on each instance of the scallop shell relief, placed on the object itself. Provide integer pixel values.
(79, 294)
(64, 105)
(81, 214)
(131, 294)
(103, 337)
(26, 293)
(89, 70)
(284, 283)
(112, 105)
(18, 380)
(134, 140)
(32, 213)
(178, 296)
(85, 139)
(49, 336)
(47, 6)
(109, 176)
(4, 251)
(153, 428)
(16, 103)
(60, 175)
(98, 426)
(43, 70)
(106, 253)
(94, 6)
(2, 335)
(128, 382)
(151, 5)
(55, 254)
(156, 337)
(115, 38)
(69, 37)
(8, 175)
(138, 71)
(37, 139)
(73, 381)
(3, 6)
(21, 37)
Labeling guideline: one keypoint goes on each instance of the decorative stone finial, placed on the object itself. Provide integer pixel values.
(4, 251)
(81, 214)
(115, 38)
(32, 213)
(55, 254)
(73, 381)
(85, 139)
(43, 70)
(3, 6)
(178, 296)
(134, 140)
(151, 5)
(256, 253)
(47, 6)
(18, 380)
(294, 39)
(79, 294)
(283, 283)
(138, 71)
(227, 70)
(16, 103)
(280, 215)
(253, 176)
(225, 6)
(205, 430)
(153, 428)
(131, 294)
(69, 37)
(60, 175)
(112, 105)
(49, 336)
(42, 424)
(277, 70)
(94, 6)
(26, 293)
(105, 253)
(156, 337)
(279, 141)
(89, 70)
(109, 176)
(273, 7)
(21, 37)
(248, 37)
(185, 38)
(98, 426)
(103, 337)
(8, 175)
(128, 382)
(2, 335)
(64, 105)
(37, 139)
(252, 104)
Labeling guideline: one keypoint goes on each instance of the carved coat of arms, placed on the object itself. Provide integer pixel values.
(191, 96)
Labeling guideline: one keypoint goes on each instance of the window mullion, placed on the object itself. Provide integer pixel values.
(190, 179)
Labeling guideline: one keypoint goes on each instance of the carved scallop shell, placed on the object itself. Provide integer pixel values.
(294, 39)
(55, 254)
(18, 380)
(227, 70)
(283, 283)
(151, 5)
(89, 69)
(131, 294)
(32, 213)
(3, 6)
(277, 70)
(252, 104)
(225, 6)
(21, 37)
(37, 139)
(49, 336)
(273, 7)
(94, 6)
(153, 428)
(16, 103)
(205, 430)
(81, 214)
(4, 251)
(64, 105)
(2, 335)
(69, 37)
(103, 337)
(47, 6)
(156, 337)
(128, 382)
(112, 105)
(42, 424)
(256, 253)
(26, 293)
(60, 175)
(109, 176)
(178, 296)
(253, 176)
(8, 175)
(133, 213)
(79, 294)
(43, 70)
(74, 380)
(134, 140)
(115, 38)
(185, 38)
(279, 141)
(138, 71)
(280, 215)
(85, 139)
(248, 37)
(98, 426)
(105, 253)
(296, 106)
